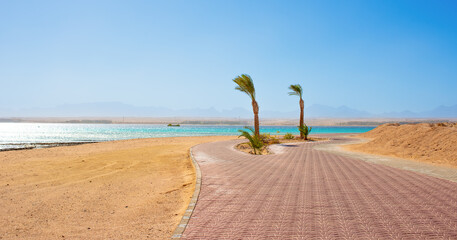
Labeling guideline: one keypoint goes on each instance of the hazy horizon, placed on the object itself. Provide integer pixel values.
(371, 56)
(315, 111)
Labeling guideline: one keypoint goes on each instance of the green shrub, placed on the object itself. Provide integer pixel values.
(266, 138)
(288, 136)
(254, 141)
(305, 130)
(274, 140)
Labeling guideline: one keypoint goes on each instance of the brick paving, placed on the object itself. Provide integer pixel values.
(303, 193)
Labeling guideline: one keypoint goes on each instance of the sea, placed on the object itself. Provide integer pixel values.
(36, 135)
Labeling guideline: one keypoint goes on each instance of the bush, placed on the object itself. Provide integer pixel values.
(266, 138)
(274, 140)
(288, 136)
(254, 141)
(305, 130)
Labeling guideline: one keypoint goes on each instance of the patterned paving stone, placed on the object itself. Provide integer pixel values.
(304, 193)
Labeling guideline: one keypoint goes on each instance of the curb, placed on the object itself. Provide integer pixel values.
(177, 234)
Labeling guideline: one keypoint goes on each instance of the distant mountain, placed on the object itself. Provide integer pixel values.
(403, 114)
(439, 112)
(322, 111)
(116, 109)
(442, 112)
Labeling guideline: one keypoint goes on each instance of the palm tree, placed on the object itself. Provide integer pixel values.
(246, 85)
(297, 90)
(305, 130)
(254, 141)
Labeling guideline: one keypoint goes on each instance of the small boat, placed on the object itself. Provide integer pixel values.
(173, 125)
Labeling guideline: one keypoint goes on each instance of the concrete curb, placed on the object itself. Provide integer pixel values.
(177, 234)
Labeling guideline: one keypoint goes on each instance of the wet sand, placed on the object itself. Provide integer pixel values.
(132, 189)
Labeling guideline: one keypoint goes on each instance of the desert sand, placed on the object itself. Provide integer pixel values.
(431, 143)
(132, 189)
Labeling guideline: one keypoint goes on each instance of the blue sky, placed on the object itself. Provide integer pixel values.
(377, 56)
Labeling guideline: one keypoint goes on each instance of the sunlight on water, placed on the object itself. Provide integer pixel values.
(23, 133)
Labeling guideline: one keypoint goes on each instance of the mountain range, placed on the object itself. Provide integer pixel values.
(116, 109)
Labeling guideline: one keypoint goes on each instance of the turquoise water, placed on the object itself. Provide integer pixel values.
(23, 133)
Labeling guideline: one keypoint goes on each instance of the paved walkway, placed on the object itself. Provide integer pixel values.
(304, 193)
(433, 170)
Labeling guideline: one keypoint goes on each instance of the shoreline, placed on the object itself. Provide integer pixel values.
(38, 145)
(9, 143)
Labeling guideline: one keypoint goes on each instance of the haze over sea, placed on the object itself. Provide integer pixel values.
(19, 135)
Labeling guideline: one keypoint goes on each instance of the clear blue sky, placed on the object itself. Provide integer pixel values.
(376, 56)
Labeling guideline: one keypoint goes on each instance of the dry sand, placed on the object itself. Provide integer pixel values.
(432, 143)
(132, 189)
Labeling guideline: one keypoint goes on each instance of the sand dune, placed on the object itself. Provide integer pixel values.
(133, 189)
(433, 143)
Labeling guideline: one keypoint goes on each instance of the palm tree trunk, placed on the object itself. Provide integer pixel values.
(302, 106)
(255, 108)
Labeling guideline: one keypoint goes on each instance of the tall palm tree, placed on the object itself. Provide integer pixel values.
(246, 85)
(297, 90)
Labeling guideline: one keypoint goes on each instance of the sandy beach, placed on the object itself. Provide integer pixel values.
(132, 189)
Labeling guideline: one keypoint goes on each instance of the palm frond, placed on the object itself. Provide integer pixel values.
(250, 129)
(245, 85)
(305, 130)
(296, 90)
(246, 135)
(255, 143)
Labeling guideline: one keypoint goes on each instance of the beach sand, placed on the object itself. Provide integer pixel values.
(431, 143)
(132, 189)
